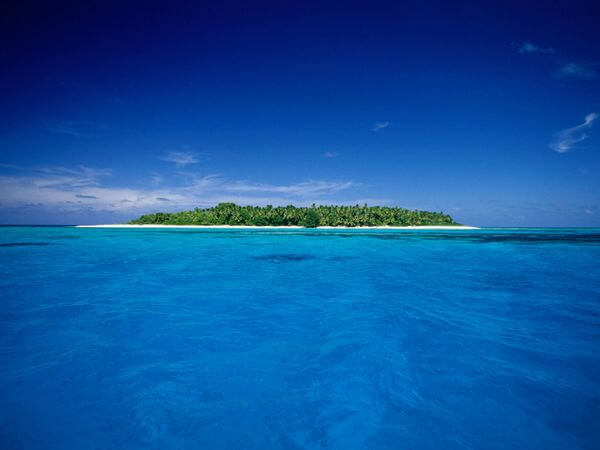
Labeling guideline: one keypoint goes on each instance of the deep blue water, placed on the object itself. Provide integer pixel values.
(127, 339)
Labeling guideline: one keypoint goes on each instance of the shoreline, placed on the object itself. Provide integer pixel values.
(284, 227)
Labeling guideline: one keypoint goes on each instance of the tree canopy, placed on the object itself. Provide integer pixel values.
(313, 216)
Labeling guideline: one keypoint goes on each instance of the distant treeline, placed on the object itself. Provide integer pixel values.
(314, 216)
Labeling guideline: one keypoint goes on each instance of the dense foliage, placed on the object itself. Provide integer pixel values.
(351, 216)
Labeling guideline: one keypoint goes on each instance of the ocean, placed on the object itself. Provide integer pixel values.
(299, 339)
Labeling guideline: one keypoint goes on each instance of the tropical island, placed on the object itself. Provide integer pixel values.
(309, 217)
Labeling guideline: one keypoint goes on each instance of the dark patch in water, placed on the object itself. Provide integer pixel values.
(514, 238)
(486, 237)
(390, 237)
(285, 257)
(542, 238)
(23, 244)
(223, 234)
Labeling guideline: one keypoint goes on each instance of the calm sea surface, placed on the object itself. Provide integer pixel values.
(211, 339)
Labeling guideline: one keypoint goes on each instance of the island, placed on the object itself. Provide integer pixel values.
(230, 214)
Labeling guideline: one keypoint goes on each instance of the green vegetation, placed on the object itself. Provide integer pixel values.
(314, 216)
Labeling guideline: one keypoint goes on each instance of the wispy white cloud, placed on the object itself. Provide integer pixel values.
(527, 47)
(75, 128)
(181, 158)
(577, 70)
(564, 69)
(81, 191)
(381, 126)
(330, 154)
(303, 189)
(565, 140)
(64, 177)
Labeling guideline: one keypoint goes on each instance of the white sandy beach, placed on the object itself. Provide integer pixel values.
(424, 227)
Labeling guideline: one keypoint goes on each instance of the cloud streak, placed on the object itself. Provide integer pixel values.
(381, 126)
(75, 128)
(576, 70)
(85, 196)
(527, 47)
(64, 177)
(303, 189)
(181, 158)
(564, 68)
(565, 140)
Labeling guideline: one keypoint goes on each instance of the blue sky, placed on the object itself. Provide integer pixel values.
(486, 112)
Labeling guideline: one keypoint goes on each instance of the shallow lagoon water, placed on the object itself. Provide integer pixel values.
(272, 339)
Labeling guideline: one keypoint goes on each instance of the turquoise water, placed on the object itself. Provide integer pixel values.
(127, 339)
